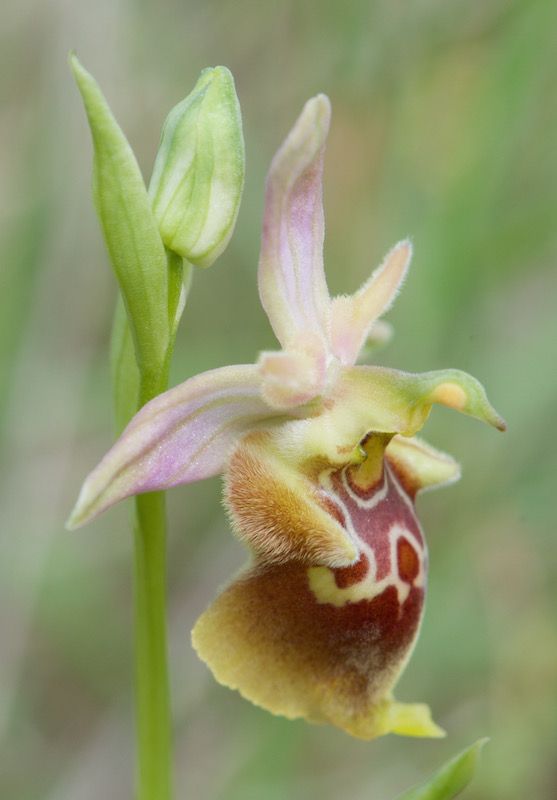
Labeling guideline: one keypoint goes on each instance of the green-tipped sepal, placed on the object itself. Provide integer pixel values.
(198, 175)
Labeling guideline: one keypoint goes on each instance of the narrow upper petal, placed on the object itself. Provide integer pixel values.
(379, 334)
(353, 317)
(182, 436)
(292, 283)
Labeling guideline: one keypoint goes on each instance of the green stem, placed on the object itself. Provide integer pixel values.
(153, 716)
(132, 389)
(152, 689)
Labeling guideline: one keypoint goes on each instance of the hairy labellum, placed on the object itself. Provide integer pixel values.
(319, 641)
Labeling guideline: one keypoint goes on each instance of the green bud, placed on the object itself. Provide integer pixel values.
(198, 175)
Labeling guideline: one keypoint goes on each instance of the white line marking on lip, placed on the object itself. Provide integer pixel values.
(369, 503)
(369, 587)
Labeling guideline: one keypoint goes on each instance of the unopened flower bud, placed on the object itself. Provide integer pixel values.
(198, 175)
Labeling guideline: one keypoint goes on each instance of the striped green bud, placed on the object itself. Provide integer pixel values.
(198, 175)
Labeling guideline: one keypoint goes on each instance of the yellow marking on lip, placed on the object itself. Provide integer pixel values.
(449, 394)
(324, 588)
(370, 471)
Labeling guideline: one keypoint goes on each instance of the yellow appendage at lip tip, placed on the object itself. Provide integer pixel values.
(411, 719)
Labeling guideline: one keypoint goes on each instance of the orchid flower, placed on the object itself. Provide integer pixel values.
(321, 469)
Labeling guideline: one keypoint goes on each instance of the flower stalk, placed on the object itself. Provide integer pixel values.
(321, 467)
(153, 717)
(202, 145)
(152, 691)
(152, 688)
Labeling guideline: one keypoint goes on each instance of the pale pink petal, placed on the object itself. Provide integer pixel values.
(353, 317)
(292, 283)
(289, 378)
(182, 436)
(292, 377)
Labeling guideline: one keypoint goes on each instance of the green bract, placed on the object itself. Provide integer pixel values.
(198, 175)
(130, 230)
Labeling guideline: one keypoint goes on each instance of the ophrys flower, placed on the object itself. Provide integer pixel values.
(321, 470)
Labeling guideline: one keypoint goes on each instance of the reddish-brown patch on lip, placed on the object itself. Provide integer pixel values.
(348, 576)
(373, 525)
(408, 560)
(410, 484)
(319, 660)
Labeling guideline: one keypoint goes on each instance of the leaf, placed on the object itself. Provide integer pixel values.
(451, 778)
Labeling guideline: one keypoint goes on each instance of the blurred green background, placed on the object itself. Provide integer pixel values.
(444, 128)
